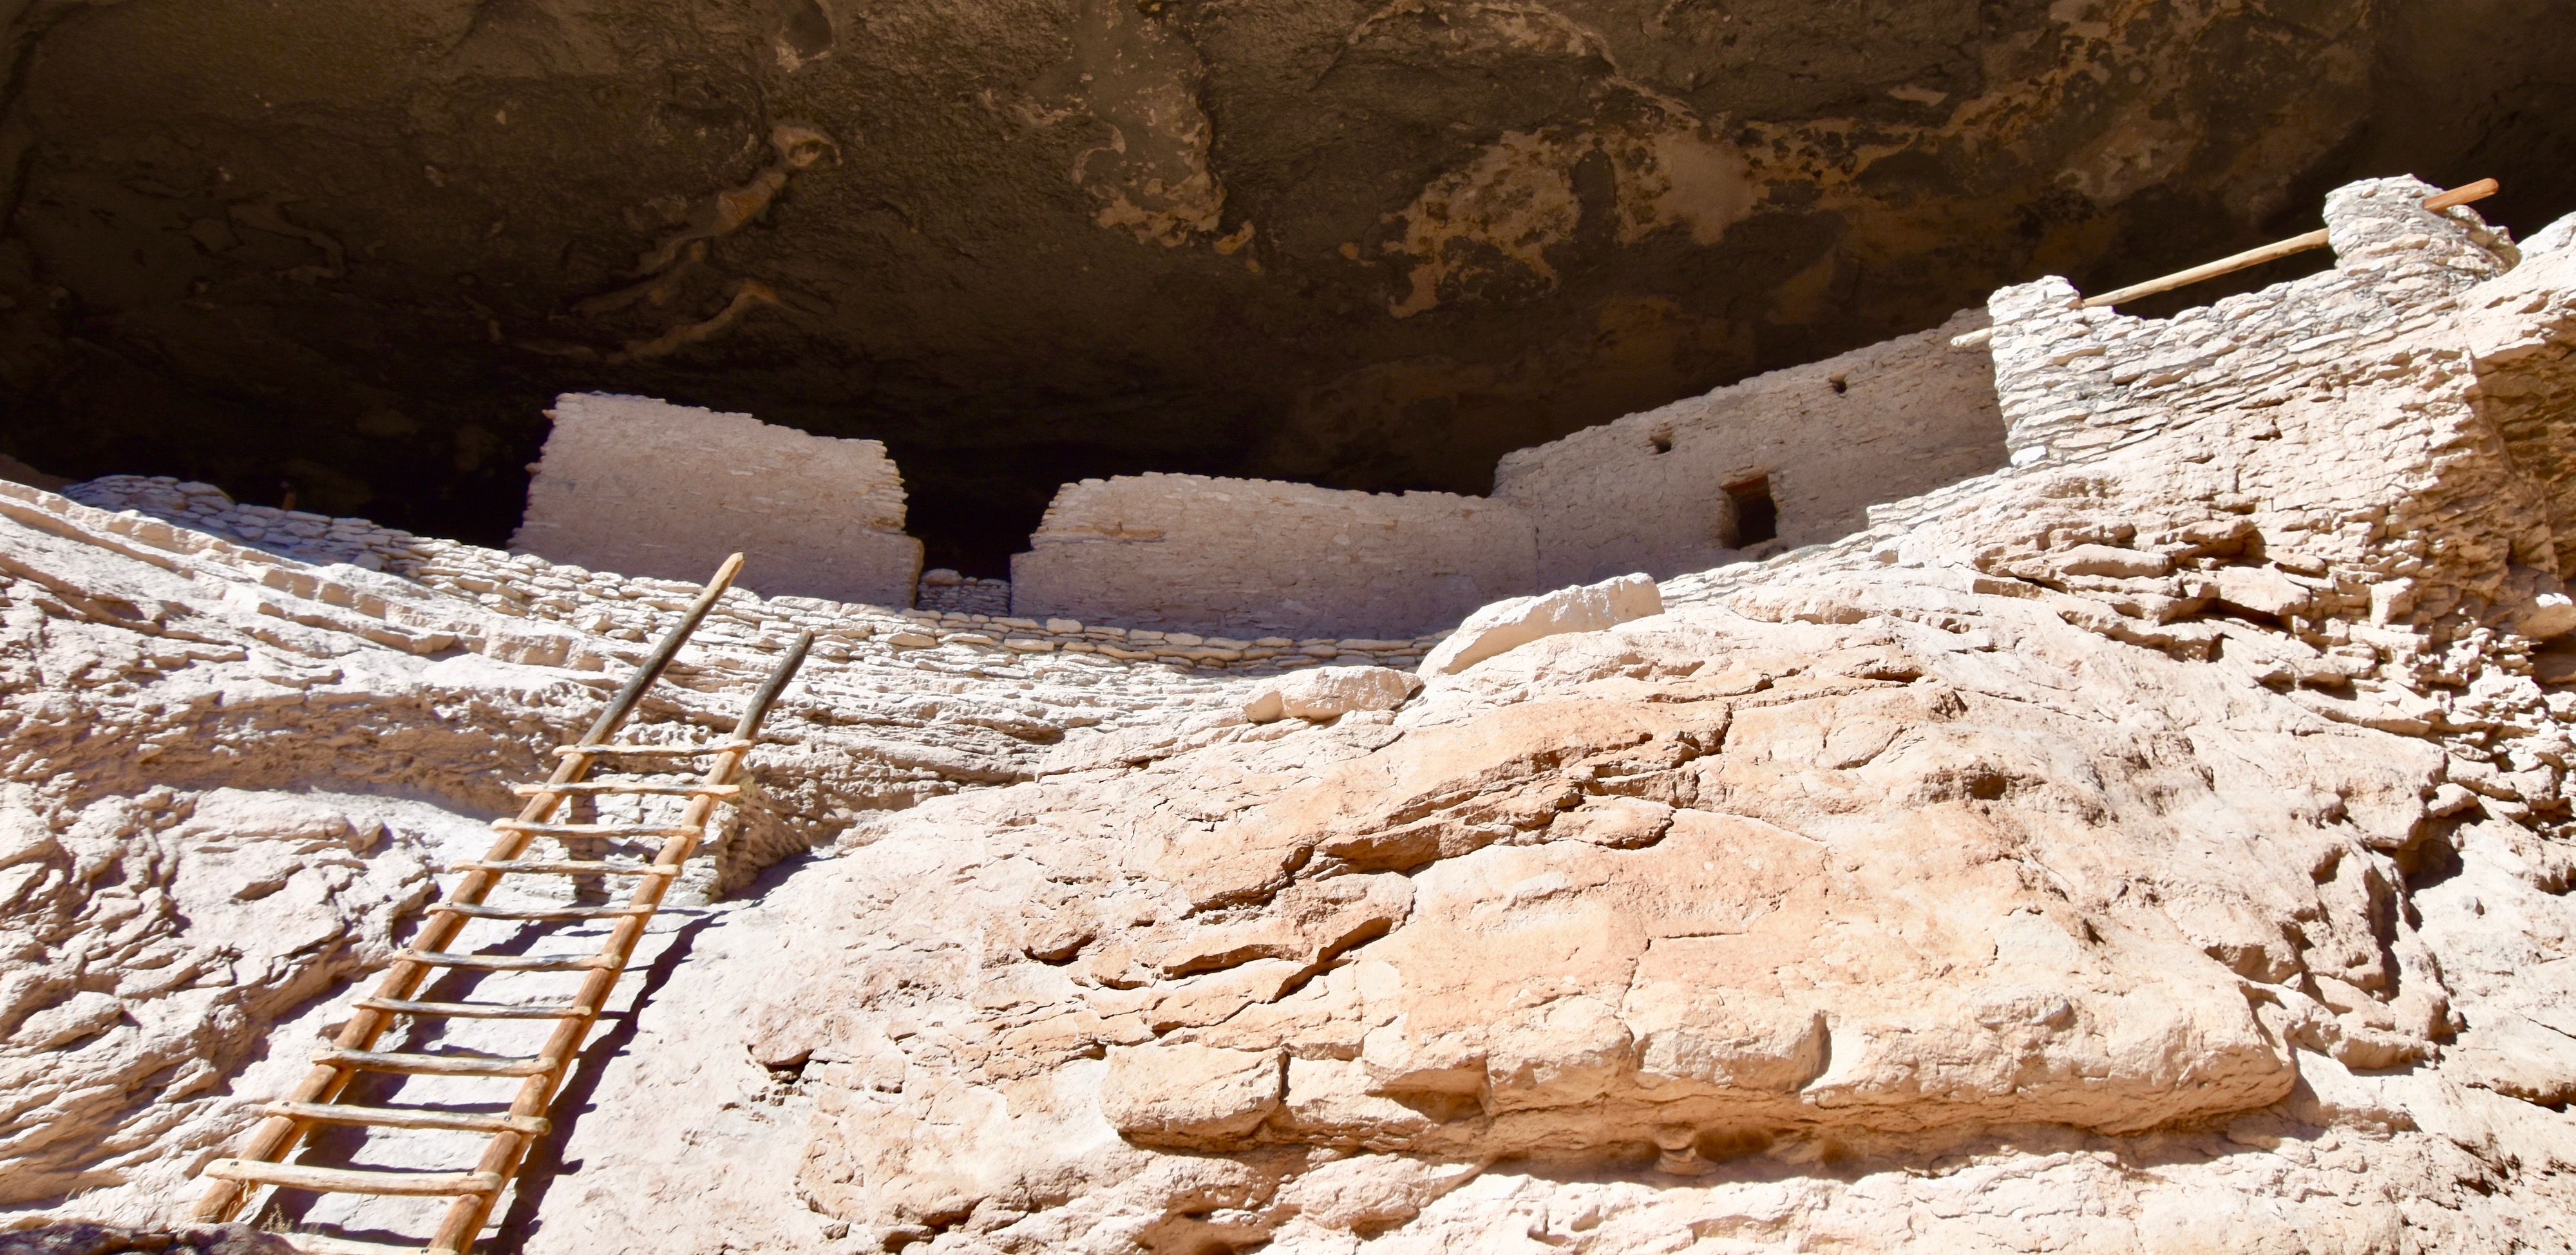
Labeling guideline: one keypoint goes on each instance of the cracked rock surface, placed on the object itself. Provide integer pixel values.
(2160, 844)
(2011, 878)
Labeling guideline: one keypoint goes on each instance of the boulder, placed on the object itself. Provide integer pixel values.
(1510, 624)
(1326, 692)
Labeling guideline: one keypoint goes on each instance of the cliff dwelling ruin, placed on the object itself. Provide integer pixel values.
(1170, 628)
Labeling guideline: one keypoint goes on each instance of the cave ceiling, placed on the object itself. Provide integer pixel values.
(352, 248)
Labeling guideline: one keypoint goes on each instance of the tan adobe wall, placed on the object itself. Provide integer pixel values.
(1648, 492)
(1255, 557)
(649, 488)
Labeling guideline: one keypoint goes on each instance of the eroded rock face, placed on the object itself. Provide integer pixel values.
(2158, 844)
(2023, 848)
(229, 782)
(1361, 244)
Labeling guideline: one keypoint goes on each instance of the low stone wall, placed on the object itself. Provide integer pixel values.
(1259, 557)
(649, 488)
(296, 534)
(1815, 445)
(635, 609)
(639, 608)
(1820, 443)
(2077, 381)
(2079, 386)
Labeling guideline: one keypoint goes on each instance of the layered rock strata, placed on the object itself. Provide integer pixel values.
(231, 780)
(2158, 844)
(2159, 849)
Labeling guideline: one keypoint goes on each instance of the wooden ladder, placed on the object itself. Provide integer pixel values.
(316, 1101)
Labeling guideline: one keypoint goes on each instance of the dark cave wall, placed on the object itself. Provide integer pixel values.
(355, 247)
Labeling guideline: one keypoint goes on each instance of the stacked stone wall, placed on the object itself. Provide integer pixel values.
(2077, 386)
(1237, 573)
(1649, 492)
(297, 534)
(633, 609)
(1235, 555)
(2075, 381)
(649, 488)
(1823, 442)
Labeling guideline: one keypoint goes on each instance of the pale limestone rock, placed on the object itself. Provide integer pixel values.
(2549, 239)
(1506, 625)
(1188, 1095)
(1327, 692)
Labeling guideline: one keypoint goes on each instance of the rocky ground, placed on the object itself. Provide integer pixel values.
(2160, 845)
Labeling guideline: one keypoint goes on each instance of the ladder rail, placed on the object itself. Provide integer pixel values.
(466, 1213)
(277, 1135)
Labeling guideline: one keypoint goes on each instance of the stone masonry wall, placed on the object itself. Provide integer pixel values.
(1645, 493)
(2075, 381)
(1648, 492)
(649, 488)
(2078, 386)
(633, 609)
(1256, 556)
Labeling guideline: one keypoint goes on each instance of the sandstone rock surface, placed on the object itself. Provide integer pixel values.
(1995, 879)
(2158, 845)
(1507, 625)
(1327, 692)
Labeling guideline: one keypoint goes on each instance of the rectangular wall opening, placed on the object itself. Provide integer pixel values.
(1757, 517)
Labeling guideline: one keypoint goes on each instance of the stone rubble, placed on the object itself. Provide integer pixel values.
(2160, 844)
(92, 1239)
(945, 590)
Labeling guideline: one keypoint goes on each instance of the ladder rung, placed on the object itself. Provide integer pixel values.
(650, 751)
(324, 1244)
(505, 962)
(353, 1180)
(570, 867)
(409, 1118)
(595, 830)
(431, 1065)
(478, 910)
(622, 788)
(473, 1010)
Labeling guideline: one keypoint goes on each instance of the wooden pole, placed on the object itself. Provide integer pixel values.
(2225, 265)
(2251, 257)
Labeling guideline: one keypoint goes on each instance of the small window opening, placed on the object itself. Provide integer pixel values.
(1661, 442)
(1841, 383)
(1757, 518)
